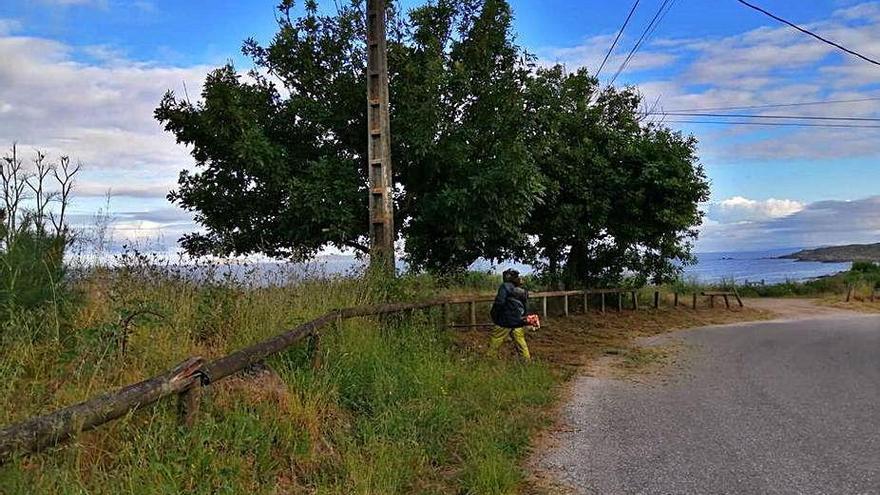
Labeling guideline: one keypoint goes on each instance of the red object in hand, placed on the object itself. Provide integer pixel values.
(533, 321)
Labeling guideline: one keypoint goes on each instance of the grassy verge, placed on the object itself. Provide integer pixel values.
(398, 407)
(863, 278)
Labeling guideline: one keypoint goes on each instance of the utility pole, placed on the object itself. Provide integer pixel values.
(379, 139)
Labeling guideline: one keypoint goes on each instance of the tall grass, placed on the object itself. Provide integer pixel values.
(396, 408)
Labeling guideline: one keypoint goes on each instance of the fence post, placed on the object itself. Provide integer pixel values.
(473, 308)
(565, 304)
(188, 402)
(711, 300)
(619, 302)
(849, 293)
(603, 302)
(446, 315)
(635, 295)
(656, 299)
(314, 348)
(726, 302)
(695, 300)
(675, 299)
(544, 307)
(738, 299)
(586, 302)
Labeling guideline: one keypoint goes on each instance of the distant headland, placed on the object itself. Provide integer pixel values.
(838, 254)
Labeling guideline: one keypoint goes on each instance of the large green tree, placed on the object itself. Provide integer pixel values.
(281, 157)
(622, 195)
(493, 157)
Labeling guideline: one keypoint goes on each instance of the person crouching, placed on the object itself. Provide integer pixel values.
(509, 315)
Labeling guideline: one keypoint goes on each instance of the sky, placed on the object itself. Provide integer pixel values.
(82, 78)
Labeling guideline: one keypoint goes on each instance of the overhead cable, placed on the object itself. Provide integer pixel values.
(617, 38)
(810, 33)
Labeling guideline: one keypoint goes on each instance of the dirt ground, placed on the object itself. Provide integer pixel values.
(799, 309)
(569, 344)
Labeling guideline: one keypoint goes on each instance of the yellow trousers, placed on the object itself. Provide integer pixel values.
(500, 335)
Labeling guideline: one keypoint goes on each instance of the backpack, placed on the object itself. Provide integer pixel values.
(493, 313)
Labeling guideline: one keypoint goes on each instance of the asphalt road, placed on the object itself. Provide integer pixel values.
(765, 408)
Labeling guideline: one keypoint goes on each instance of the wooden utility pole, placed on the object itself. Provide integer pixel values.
(379, 138)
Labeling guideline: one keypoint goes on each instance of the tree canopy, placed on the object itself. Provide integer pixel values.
(493, 156)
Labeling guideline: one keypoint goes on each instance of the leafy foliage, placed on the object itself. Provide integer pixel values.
(492, 157)
(621, 196)
(33, 237)
(31, 269)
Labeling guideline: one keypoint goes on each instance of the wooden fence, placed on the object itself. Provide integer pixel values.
(187, 379)
(851, 293)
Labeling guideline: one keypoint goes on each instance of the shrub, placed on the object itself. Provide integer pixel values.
(866, 267)
(31, 270)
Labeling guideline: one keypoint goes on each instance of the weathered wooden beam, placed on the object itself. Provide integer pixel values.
(619, 302)
(675, 299)
(738, 299)
(565, 304)
(43, 431)
(241, 359)
(656, 299)
(188, 404)
(586, 302)
(635, 296)
(695, 300)
(472, 305)
(603, 303)
(726, 302)
(544, 307)
(381, 181)
(315, 350)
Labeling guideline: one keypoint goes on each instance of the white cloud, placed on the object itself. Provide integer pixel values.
(146, 190)
(815, 224)
(592, 50)
(740, 209)
(767, 65)
(9, 26)
(99, 112)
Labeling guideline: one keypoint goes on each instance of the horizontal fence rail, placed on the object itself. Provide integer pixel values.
(187, 378)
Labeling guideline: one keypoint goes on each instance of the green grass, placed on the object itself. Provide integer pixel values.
(395, 408)
(863, 277)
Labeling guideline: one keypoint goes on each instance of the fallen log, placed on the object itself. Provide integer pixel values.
(40, 432)
(242, 358)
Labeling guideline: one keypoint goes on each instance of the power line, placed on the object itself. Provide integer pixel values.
(808, 32)
(641, 39)
(778, 105)
(619, 33)
(662, 16)
(784, 117)
(773, 124)
(645, 33)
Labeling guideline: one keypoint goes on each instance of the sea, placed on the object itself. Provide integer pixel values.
(740, 266)
(758, 266)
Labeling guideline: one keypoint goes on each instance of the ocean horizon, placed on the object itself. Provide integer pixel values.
(754, 266)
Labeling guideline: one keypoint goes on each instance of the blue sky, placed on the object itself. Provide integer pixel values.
(83, 76)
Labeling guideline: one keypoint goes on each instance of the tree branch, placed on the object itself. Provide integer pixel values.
(356, 245)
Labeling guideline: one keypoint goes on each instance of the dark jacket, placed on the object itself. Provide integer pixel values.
(510, 306)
